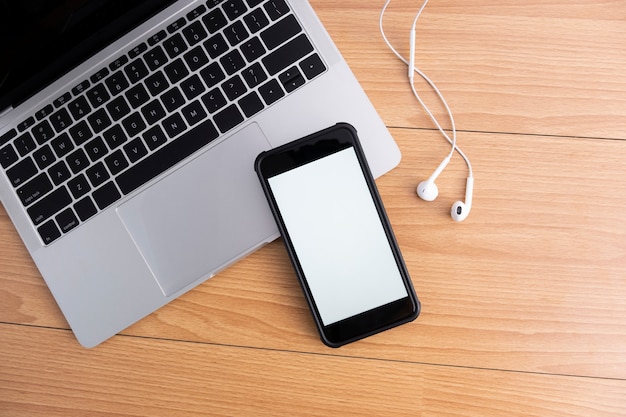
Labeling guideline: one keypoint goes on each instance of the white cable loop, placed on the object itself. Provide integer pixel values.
(452, 140)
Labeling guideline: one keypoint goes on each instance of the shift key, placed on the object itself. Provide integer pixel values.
(287, 54)
(49, 205)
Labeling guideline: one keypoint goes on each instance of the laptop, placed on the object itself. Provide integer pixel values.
(128, 134)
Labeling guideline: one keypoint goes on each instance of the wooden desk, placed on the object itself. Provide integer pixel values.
(524, 304)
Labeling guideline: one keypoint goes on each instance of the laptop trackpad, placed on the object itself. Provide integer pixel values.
(203, 216)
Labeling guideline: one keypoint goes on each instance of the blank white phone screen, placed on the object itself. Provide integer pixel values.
(338, 236)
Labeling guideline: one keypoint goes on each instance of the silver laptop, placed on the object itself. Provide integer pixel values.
(128, 132)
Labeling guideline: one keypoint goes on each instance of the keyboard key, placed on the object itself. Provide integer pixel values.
(26, 124)
(106, 195)
(157, 83)
(118, 63)
(8, 156)
(34, 189)
(81, 133)
(59, 173)
(154, 137)
(134, 124)
(156, 38)
(271, 91)
(97, 174)
(49, 205)
(136, 71)
(173, 27)
(232, 62)
(79, 186)
(252, 49)
(60, 101)
(254, 3)
(96, 149)
(99, 76)
(281, 32)
(256, 20)
(276, 9)
(44, 157)
(166, 157)
(312, 66)
(137, 96)
(135, 150)
(99, 121)
(234, 8)
(62, 145)
(234, 88)
(214, 100)
(79, 108)
(137, 50)
(116, 83)
(118, 108)
(81, 88)
(214, 20)
(212, 74)
(196, 13)
(196, 58)
(216, 45)
(172, 99)
(153, 112)
(175, 45)
(24, 144)
(236, 33)
(291, 79)
(194, 33)
(43, 113)
(77, 161)
(66, 220)
(61, 120)
(116, 162)
(98, 95)
(192, 87)
(85, 209)
(194, 113)
(251, 104)
(22, 172)
(49, 232)
(254, 75)
(43, 132)
(115, 137)
(287, 54)
(6, 137)
(174, 125)
(176, 71)
(228, 118)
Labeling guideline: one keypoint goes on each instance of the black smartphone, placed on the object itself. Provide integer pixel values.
(337, 234)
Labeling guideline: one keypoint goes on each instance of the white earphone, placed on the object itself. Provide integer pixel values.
(427, 189)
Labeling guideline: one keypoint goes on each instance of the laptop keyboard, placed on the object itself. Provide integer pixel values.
(150, 108)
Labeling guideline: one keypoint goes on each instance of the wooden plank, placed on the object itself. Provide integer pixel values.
(43, 373)
(539, 67)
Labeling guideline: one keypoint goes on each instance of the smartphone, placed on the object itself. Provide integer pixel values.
(339, 239)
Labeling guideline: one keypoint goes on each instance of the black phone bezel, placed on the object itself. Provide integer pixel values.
(301, 152)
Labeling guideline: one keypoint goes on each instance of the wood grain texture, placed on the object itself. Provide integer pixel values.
(539, 67)
(524, 304)
(150, 377)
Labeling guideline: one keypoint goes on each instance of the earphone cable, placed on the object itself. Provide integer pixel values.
(452, 140)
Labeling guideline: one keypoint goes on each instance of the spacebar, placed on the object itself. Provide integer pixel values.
(166, 157)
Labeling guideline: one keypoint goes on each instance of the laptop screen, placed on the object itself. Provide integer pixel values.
(41, 40)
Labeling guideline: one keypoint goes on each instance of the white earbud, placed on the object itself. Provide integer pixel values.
(460, 210)
(427, 190)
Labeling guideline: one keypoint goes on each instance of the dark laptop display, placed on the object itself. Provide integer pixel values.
(41, 40)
